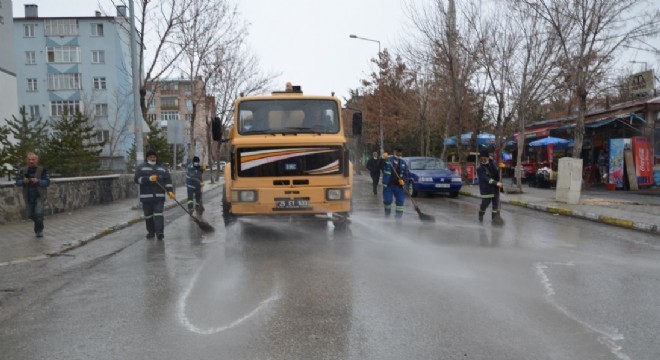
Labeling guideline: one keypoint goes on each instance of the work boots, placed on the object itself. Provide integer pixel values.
(481, 216)
(497, 219)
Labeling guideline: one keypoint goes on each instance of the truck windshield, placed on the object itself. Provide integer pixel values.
(288, 116)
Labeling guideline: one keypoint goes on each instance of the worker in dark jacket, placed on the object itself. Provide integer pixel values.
(194, 184)
(489, 187)
(395, 171)
(155, 182)
(34, 180)
(374, 167)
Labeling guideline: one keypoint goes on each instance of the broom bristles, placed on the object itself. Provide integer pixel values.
(206, 227)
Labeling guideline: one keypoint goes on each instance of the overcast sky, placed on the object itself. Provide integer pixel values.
(307, 41)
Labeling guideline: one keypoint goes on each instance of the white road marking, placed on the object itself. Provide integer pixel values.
(607, 337)
(183, 318)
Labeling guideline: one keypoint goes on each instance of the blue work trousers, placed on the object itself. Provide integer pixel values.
(396, 193)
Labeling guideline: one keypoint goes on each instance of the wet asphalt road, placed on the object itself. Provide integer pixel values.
(541, 287)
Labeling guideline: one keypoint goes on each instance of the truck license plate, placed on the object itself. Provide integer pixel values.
(291, 204)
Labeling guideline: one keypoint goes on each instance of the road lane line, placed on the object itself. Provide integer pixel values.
(607, 338)
(183, 318)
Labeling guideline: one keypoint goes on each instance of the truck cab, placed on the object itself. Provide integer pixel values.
(289, 157)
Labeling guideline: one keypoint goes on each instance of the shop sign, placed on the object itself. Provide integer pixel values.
(641, 84)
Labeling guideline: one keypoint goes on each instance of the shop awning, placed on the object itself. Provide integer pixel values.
(536, 133)
(608, 120)
(483, 139)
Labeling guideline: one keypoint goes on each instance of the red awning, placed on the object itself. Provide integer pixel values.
(536, 133)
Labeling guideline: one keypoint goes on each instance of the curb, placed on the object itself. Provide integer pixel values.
(604, 219)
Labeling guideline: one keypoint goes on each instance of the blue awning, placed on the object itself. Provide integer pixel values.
(483, 139)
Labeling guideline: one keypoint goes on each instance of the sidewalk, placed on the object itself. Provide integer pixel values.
(66, 231)
(639, 210)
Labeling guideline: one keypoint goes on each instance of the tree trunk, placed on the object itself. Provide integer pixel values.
(578, 135)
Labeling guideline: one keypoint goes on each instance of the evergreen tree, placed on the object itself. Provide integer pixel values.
(132, 159)
(157, 141)
(29, 134)
(73, 149)
(5, 158)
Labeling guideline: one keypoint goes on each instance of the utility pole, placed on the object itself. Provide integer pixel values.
(137, 111)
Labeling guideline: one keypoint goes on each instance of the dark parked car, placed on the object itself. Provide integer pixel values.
(430, 175)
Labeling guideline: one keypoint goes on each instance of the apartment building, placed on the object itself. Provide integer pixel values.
(171, 101)
(81, 64)
(8, 95)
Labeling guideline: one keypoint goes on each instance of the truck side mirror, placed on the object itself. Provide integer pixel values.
(357, 123)
(216, 129)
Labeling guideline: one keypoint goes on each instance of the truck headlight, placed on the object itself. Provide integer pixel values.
(244, 195)
(456, 179)
(334, 194)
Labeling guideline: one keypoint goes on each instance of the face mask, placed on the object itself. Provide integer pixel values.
(484, 161)
(196, 164)
(151, 162)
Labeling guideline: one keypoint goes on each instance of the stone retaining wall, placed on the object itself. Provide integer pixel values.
(66, 194)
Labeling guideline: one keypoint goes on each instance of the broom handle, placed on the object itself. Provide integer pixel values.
(404, 189)
(177, 201)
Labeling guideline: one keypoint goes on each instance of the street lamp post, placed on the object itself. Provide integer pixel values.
(380, 98)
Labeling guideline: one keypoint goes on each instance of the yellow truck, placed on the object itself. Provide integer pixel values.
(289, 158)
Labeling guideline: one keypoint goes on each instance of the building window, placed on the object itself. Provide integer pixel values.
(28, 30)
(98, 56)
(169, 115)
(63, 54)
(60, 27)
(103, 136)
(99, 83)
(169, 86)
(33, 111)
(101, 110)
(188, 117)
(151, 118)
(57, 107)
(30, 57)
(169, 103)
(97, 29)
(64, 82)
(32, 85)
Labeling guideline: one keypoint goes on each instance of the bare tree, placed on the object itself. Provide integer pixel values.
(496, 48)
(534, 73)
(158, 22)
(590, 33)
(238, 73)
(212, 27)
(451, 50)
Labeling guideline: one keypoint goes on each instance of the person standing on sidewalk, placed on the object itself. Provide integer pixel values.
(374, 165)
(194, 184)
(395, 171)
(35, 180)
(154, 179)
(603, 166)
(489, 187)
